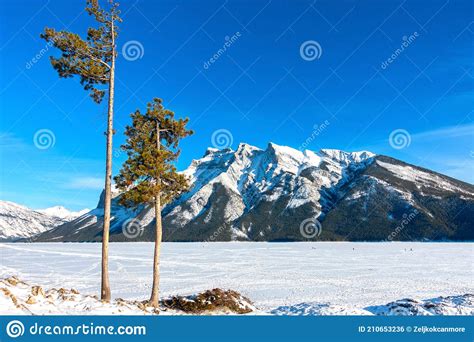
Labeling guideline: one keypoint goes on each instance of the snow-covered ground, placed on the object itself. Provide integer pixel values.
(280, 278)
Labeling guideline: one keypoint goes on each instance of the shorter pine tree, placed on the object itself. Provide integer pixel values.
(149, 175)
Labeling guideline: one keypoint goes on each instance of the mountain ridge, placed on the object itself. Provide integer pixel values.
(18, 221)
(255, 194)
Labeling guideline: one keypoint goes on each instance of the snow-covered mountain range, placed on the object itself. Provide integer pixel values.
(17, 221)
(283, 194)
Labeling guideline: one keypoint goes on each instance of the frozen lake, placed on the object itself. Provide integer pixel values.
(270, 274)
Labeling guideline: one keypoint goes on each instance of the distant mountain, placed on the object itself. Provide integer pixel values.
(17, 221)
(278, 193)
(62, 213)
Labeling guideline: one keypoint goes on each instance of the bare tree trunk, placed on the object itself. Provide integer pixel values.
(105, 286)
(155, 291)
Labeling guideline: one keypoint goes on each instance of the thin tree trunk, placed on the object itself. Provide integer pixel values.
(155, 291)
(105, 286)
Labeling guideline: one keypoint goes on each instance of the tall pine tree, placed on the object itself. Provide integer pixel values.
(149, 174)
(93, 60)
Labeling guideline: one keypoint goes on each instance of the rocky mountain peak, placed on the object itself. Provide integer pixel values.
(266, 194)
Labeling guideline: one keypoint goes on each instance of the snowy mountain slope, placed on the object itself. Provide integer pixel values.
(17, 221)
(392, 200)
(267, 194)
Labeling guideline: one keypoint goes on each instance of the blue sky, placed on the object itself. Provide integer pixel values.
(260, 88)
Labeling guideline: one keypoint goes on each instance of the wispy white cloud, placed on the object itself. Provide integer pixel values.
(90, 183)
(9, 141)
(447, 132)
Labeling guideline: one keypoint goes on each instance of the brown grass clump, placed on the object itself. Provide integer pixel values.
(37, 291)
(12, 297)
(215, 300)
(14, 281)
